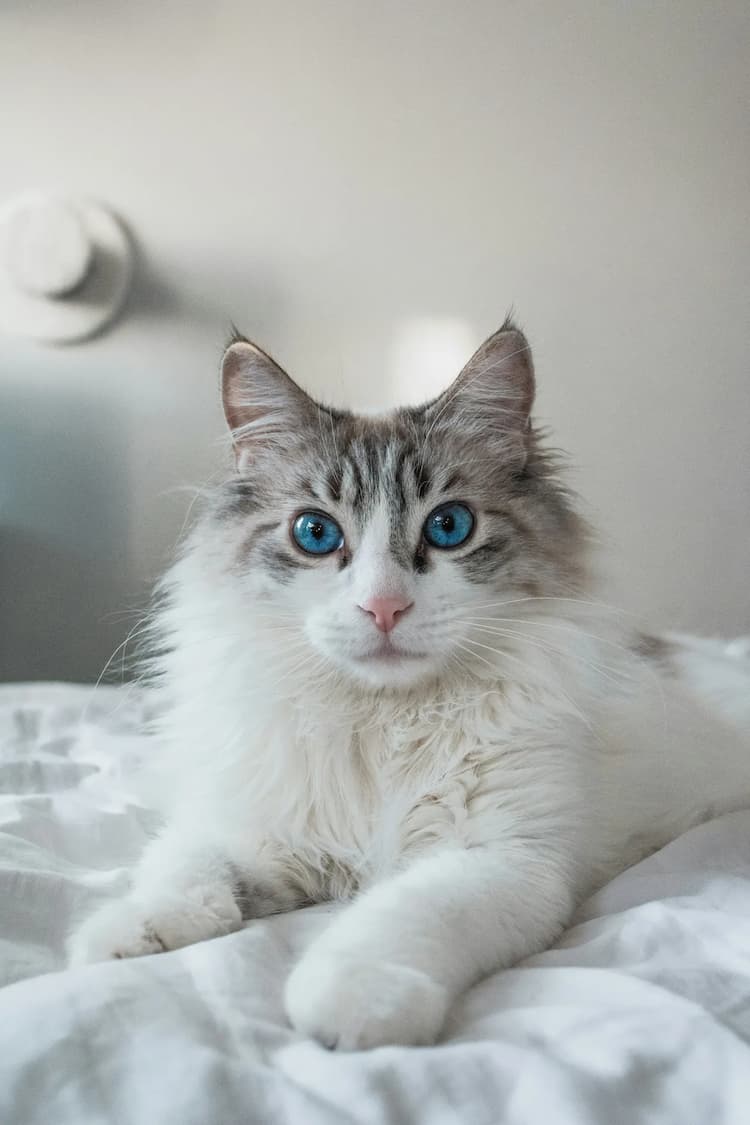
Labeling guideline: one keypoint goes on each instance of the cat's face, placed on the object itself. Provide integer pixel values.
(383, 542)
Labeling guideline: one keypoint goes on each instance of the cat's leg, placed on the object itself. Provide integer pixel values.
(387, 969)
(186, 888)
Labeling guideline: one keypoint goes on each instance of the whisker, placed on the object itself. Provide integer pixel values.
(137, 630)
(545, 646)
(536, 623)
(553, 598)
(525, 665)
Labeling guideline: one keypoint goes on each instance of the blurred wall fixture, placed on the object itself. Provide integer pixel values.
(65, 268)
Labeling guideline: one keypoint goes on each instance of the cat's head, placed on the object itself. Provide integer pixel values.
(383, 542)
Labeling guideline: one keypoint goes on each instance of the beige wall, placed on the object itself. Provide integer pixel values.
(367, 188)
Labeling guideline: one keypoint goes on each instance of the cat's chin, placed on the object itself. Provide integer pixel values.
(392, 669)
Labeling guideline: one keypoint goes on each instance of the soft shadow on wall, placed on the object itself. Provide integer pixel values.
(101, 447)
(63, 534)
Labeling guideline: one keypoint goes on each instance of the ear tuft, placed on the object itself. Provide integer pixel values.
(235, 336)
(509, 324)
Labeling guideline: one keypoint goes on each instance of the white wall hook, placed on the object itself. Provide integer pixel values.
(65, 268)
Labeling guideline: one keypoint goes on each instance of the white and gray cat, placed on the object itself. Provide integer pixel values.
(383, 679)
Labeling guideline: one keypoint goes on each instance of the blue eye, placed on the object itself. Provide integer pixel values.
(450, 525)
(317, 534)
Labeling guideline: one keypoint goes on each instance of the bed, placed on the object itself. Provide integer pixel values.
(640, 1013)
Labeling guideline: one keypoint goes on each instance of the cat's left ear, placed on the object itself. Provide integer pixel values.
(494, 393)
(263, 405)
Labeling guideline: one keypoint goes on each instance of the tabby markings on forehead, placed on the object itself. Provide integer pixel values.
(399, 481)
(307, 488)
(423, 478)
(356, 477)
(333, 483)
(374, 464)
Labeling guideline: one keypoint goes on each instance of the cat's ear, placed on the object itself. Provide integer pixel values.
(262, 404)
(494, 393)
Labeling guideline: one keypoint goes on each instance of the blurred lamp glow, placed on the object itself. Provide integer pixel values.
(427, 354)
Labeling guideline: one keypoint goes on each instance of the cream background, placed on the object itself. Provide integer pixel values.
(366, 189)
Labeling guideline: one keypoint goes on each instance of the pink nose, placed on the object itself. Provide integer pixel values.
(386, 611)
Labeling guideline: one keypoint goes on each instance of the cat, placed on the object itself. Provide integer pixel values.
(384, 678)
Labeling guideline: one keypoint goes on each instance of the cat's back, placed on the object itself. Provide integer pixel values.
(674, 746)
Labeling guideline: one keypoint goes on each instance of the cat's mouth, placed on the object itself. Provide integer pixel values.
(388, 653)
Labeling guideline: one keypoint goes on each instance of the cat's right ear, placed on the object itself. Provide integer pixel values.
(262, 404)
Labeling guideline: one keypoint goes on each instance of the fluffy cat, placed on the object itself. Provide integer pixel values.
(383, 678)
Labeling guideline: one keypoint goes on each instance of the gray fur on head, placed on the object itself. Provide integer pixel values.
(474, 444)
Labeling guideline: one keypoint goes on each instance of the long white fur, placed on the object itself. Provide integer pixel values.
(468, 811)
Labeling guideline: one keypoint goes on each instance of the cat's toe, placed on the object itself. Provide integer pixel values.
(117, 930)
(129, 928)
(351, 1004)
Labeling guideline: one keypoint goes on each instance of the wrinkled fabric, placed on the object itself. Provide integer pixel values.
(641, 1013)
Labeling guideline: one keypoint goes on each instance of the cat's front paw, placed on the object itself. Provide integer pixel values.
(130, 928)
(353, 1004)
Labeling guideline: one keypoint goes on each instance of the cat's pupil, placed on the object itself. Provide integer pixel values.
(448, 523)
(316, 530)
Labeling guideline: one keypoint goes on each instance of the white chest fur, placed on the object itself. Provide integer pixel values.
(351, 795)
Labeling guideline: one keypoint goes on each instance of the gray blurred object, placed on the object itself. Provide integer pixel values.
(65, 594)
(65, 268)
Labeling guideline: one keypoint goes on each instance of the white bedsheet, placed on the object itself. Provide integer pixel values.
(641, 1013)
